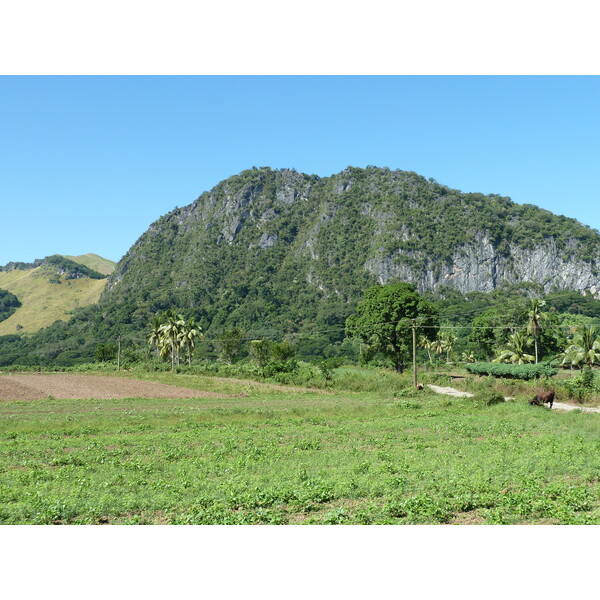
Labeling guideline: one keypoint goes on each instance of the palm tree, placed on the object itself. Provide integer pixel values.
(448, 341)
(189, 331)
(171, 330)
(535, 316)
(155, 335)
(515, 350)
(585, 349)
(439, 345)
(428, 345)
(468, 357)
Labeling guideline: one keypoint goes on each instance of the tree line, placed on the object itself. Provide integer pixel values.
(393, 320)
(468, 327)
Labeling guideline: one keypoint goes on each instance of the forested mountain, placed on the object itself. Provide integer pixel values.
(279, 253)
(290, 250)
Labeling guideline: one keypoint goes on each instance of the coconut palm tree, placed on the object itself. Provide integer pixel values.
(428, 345)
(448, 341)
(535, 317)
(190, 331)
(155, 335)
(468, 357)
(515, 350)
(439, 345)
(585, 349)
(171, 331)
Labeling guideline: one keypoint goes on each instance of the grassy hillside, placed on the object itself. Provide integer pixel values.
(43, 302)
(93, 261)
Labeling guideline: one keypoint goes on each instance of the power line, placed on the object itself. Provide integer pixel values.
(554, 328)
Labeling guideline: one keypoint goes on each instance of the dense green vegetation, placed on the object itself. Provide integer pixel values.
(474, 326)
(281, 250)
(389, 318)
(511, 371)
(281, 255)
(8, 304)
(293, 456)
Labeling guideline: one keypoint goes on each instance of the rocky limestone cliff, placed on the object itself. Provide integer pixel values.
(479, 267)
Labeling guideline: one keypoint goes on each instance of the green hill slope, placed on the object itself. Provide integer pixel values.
(93, 261)
(48, 290)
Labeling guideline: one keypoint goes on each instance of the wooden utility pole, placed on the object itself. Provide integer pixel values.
(414, 336)
(119, 354)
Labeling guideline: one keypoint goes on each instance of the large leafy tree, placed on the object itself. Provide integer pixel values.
(385, 317)
(493, 328)
(229, 344)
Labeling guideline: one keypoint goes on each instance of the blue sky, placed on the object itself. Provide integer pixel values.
(87, 163)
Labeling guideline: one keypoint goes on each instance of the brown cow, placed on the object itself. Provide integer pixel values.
(541, 399)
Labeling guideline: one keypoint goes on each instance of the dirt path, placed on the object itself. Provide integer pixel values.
(587, 409)
(450, 391)
(36, 386)
(560, 405)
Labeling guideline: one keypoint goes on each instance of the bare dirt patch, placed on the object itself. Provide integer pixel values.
(36, 386)
(450, 391)
(472, 517)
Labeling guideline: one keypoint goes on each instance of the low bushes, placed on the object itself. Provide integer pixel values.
(488, 398)
(525, 372)
(582, 387)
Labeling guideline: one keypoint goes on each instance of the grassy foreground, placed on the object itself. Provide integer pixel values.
(284, 456)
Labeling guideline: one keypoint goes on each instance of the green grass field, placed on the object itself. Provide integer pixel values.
(287, 456)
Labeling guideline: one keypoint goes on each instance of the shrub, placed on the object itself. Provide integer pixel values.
(279, 366)
(328, 365)
(488, 398)
(283, 351)
(582, 386)
(587, 378)
(525, 372)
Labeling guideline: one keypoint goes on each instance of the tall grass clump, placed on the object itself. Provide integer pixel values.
(582, 388)
(362, 379)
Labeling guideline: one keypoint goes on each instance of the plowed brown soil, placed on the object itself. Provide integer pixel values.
(36, 386)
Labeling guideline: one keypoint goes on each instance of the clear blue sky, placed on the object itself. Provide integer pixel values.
(87, 163)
